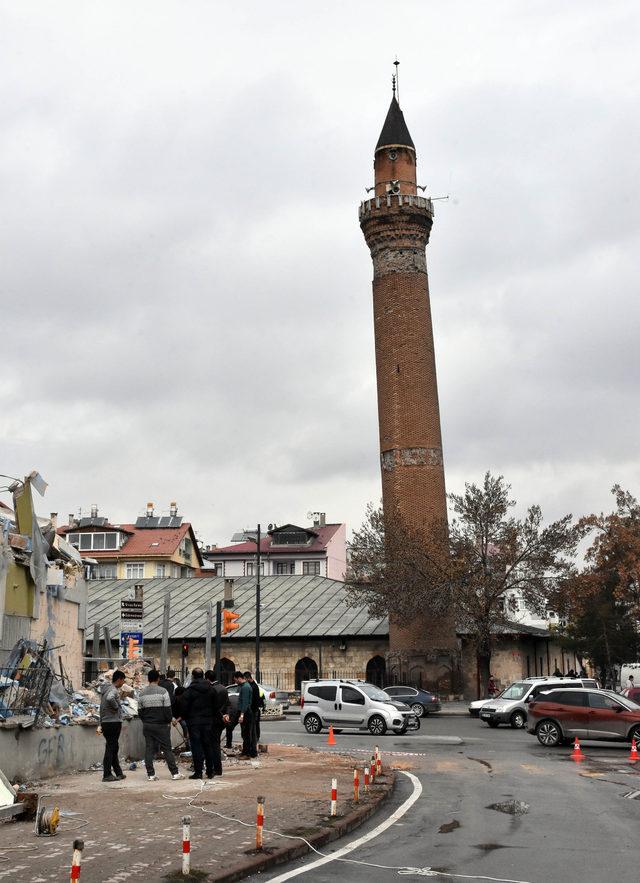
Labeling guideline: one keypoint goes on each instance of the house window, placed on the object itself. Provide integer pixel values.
(282, 567)
(97, 541)
(135, 570)
(175, 570)
(311, 567)
(161, 569)
(251, 569)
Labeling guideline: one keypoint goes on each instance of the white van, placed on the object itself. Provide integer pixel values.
(347, 704)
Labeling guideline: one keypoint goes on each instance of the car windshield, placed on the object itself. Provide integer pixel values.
(374, 692)
(515, 691)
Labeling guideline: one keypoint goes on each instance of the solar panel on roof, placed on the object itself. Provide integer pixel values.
(147, 521)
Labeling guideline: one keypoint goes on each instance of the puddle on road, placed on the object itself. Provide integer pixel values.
(448, 827)
(511, 807)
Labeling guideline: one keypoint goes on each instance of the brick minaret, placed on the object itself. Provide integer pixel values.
(396, 223)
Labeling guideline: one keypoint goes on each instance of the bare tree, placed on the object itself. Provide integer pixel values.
(472, 569)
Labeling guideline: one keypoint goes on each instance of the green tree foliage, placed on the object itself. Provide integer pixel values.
(602, 607)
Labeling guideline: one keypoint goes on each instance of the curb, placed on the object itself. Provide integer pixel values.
(345, 825)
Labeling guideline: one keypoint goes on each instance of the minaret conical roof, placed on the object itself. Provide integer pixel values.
(394, 130)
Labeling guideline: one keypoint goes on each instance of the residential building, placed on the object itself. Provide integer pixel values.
(43, 593)
(154, 546)
(287, 550)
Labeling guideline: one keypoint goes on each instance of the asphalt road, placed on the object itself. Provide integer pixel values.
(577, 826)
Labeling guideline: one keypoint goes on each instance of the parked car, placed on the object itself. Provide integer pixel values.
(271, 696)
(347, 704)
(510, 706)
(558, 716)
(632, 693)
(421, 702)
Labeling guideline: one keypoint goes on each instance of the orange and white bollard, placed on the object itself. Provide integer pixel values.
(356, 786)
(78, 846)
(366, 780)
(372, 770)
(378, 762)
(334, 797)
(259, 822)
(186, 846)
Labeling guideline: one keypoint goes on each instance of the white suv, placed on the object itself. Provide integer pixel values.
(357, 705)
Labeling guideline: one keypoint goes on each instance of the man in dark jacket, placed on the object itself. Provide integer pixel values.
(154, 710)
(257, 702)
(111, 725)
(167, 684)
(198, 701)
(245, 698)
(220, 717)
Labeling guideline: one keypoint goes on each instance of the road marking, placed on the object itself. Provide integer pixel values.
(393, 818)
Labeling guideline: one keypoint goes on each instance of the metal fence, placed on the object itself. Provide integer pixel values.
(25, 691)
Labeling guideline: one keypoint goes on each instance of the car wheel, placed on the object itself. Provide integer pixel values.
(417, 709)
(549, 734)
(377, 725)
(518, 720)
(635, 733)
(493, 724)
(312, 724)
(401, 730)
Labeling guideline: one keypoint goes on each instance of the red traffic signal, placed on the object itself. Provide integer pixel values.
(185, 651)
(230, 621)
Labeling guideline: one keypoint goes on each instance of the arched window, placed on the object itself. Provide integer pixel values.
(376, 671)
(306, 670)
(227, 669)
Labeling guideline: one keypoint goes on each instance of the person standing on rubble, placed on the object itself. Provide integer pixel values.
(154, 710)
(111, 725)
(220, 718)
(198, 702)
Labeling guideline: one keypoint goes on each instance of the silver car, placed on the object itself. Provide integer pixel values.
(510, 707)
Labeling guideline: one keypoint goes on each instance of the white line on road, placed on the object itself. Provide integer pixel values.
(393, 818)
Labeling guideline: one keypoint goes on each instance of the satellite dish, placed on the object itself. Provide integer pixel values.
(310, 515)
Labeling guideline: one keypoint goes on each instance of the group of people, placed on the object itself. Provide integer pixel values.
(203, 711)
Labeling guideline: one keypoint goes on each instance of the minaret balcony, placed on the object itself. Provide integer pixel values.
(368, 206)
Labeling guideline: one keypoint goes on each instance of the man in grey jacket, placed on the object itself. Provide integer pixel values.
(154, 710)
(111, 725)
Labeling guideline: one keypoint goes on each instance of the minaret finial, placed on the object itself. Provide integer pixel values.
(396, 80)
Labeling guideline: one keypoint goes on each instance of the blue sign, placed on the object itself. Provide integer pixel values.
(125, 637)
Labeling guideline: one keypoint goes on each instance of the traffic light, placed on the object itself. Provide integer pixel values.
(230, 621)
(185, 651)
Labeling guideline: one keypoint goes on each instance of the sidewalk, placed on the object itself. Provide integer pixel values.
(132, 829)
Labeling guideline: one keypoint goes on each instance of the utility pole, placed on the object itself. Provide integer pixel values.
(218, 639)
(207, 646)
(164, 647)
(257, 672)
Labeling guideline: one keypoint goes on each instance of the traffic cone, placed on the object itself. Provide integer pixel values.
(332, 739)
(633, 756)
(577, 754)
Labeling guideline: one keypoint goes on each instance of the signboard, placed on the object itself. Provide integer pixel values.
(131, 609)
(131, 643)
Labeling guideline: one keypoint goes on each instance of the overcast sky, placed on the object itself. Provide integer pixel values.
(186, 293)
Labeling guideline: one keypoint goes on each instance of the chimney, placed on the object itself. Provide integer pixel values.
(228, 592)
(53, 518)
(173, 509)
(149, 510)
(323, 519)
(72, 520)
(94, 511)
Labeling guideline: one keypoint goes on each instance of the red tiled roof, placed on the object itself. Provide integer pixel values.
(142, 542)
(317, 544)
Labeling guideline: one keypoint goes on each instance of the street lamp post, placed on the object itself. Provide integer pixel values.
(257, 672)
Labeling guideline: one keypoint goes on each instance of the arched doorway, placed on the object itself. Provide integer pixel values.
(227, 669)
(376, 671)
(306, 670)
